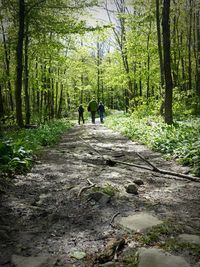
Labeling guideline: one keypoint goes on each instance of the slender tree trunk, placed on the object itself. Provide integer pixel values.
(20, 41)
(98, 71)
(7, 61)
(148, 62)
(198, 54)
(167, 62)
(26, 78)
(52, 99)
(1, 103)
(56, 96)
(159, 43)
(174, 54)
(189, 46)
(60, 101)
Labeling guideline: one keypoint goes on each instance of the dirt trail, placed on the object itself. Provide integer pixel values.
(47, 214)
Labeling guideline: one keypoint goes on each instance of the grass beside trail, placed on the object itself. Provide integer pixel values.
(17, 148)
(180, 141)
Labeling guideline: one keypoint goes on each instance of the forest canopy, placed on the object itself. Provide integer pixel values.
(141, 53)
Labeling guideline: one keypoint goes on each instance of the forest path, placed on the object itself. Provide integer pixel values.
(50, 213)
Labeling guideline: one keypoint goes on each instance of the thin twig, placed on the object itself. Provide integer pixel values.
(113, 217)
(153, 166)
(91, 184)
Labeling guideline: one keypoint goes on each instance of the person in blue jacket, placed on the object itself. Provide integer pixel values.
(101, 111)
(80, 114)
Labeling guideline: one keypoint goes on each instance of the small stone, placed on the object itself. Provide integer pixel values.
(191, 239)
(139, 222)
(100, 197)
(138, 182)
(132, 189)
(79, 255)
(40, 261)
(157, 258)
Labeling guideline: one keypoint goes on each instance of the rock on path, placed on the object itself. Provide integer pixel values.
(152, 257)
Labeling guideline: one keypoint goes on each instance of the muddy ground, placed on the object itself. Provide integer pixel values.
(49, 211)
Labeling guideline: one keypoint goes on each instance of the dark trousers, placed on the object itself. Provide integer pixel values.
(93, 116)
(80, 117)
(101, 116)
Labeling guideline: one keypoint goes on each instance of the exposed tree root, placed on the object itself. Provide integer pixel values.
(86, 187)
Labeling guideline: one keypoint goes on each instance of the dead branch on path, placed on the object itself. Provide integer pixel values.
(191, 178)
(112, 162)
(113, 217)
(153, 166)
(86, 187)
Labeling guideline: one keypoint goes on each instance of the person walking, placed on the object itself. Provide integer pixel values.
(80, 114)
(92, 108)
(101, 111)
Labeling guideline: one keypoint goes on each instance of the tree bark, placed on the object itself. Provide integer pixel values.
(26, 77)
(148, 61)
(167, 62)
(159, 43)
(1, 103)
(7, 61)
(198, 54)
(189, 47)
(19, 51)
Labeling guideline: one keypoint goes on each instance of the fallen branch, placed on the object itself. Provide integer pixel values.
(153, 166)
(191, 178)
(113, 217)
(112, 162)
(86, 187)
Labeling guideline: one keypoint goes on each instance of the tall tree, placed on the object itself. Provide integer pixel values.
(19, 66)
(159, 42)
(167, 62)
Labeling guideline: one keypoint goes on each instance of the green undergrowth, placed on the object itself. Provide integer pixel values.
(107, 189)
(179, 141)
(18, 148)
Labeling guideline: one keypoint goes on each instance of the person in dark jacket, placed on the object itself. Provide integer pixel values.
(101, 111)
(80, 114)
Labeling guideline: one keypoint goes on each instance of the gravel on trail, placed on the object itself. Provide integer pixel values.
(67, 207)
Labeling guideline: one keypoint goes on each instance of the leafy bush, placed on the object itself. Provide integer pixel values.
(17, 148)
(179, 141)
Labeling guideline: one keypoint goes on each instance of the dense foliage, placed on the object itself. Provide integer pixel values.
(179, 141)
(65, 59)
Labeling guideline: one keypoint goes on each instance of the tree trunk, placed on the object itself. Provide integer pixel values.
(60, 101)
(167, 62)
(26, 78)
(189, 46)
(148, 62)
(19, 51)
(98, 71)
(7, 61)
(1, 103)
(159, 43)
(198, 54)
